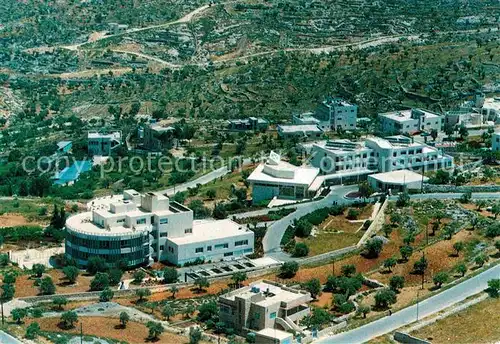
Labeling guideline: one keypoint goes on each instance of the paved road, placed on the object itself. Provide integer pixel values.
(275, 232)
(425, 308)
(6, 338)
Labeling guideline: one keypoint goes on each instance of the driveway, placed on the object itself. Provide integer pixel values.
(408, 315)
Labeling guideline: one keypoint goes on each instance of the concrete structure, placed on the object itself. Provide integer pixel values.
(264, 305)
(302, 131)
(495, 142)
(250, 123)
(277, 178)
(336, 113)
(103, 143)
(157, 137)
(343, 160)
(305, 118)
(409, 121)
(273, 336)
(396, 181)
(140, 229)
(64, 146)
(491, 109)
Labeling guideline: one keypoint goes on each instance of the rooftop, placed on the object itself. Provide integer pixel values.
(342, 145)
(404, 115)
(83, 223)
(284, 172)
(204, 230)
(332, 101)
(62, 144)
(400, 177)
(96, 135)
(299, 128)
(274, 333)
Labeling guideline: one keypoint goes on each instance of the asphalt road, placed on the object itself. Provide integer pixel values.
(6, 338)
(275, 232)
(408, 315)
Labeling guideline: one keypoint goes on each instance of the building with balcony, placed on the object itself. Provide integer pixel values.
(336, 113)
(103, 144)
(277, 178)
(140, 229)
(250, 123)
(409, 121)
(262, 306)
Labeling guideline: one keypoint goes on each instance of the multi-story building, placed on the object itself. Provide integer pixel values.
(495, 142)
(140, 229)
(103, 144)
(276, 178)
(264, 305)
(157, 137)
(336, 113)
(409, 121)
(344, 160)
(301, 131)
(250, 123)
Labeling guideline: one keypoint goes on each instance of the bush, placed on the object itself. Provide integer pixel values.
(32, 331)
(353, 214)
(396, 282)
(96, 264)
(38, 270)
(289, 269)
(47, 287)
(99, 282)
(71, 273)
(303, 228)
(60, 302)
(420, 266)
(139, 276)
(300, 250)
(208, 311)
(373, 247)
(170, 275)
(348, 270)
(384, 298)
(115, 276)
(68, 319)
(106, 295)
(493, 287)
(195, 335)
(440, 278)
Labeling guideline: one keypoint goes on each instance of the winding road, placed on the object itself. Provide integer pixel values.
(411, 314)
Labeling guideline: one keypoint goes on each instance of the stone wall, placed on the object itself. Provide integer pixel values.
(431, 188)
(402, 337)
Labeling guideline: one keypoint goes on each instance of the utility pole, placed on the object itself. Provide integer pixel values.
(3, 320)
(423, 272)
(333, 267)
(417, 303)
(81, 332)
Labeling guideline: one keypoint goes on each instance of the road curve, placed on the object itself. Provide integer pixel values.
(408, 315)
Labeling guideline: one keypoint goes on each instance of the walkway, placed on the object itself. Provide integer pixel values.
(425, 308)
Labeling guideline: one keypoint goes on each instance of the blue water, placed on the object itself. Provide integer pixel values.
(71, 173)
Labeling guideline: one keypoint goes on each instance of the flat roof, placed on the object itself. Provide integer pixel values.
(204, 230)
(276, 293)
(96, 135)
(302, 175)
(274, 333)
(343, 146)
(82, 223)
(404, 115)
(295, 128)
(400, 177)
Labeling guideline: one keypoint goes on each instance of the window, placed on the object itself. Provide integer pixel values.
(256, 315)
(163, 221)
(209, 248)
(162, 247)
(272, 315)
(241, 243)
(189, 230)
(152, 219)
(219, 246)
(141, 221)
(228, 254)
(198, 250)
(163, 235)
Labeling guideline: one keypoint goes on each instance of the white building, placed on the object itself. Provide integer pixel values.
(341, 161)
(491, 109)
(409, 121)
(277, 178)
(336, 113)
(303, 131)
(103, 144)
(396, 181)
(140, 229)
(495, 142)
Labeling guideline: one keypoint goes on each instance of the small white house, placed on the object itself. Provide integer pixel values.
(396, 180)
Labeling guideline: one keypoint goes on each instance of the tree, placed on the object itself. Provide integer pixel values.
(60, 302)
(289, 269)
(373, 247)
(138, 276)
(458, 246)
(466, 197)
(493, 230)
(170, 275)
(47, 286)
(155, 329)
(440, 278)
(9, 277)
(434, 228)
(403, 199)
(201, 283)
(96, 264)
(18, 314)
(313, 286)
(389, 263)
(238, 278)
(69, 318)
(396, 219)
(384, 298)
(493, 287)
(207, 311)
(387, 229)
(195, 335)
(190, 309)
(115, 276)
(106, 295)
(124, 319)
(497, 245)
(219, 212)
(461, 269)
(211, 193)
(142, 293)
(316, 319)
(365, 190)
(71, 273)
(167, 312)
(99, 282)
(396, 283)
(38, 270)
(406, 252)
(364, 310)
(32, 331)
(8, 292)
(300, 250)
(303, 228)
(348, 270)
(495, 209)
(4, 259)
(174, 290)
(481, 259)
(420, 266)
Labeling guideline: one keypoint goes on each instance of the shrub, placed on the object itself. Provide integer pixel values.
(389, 263)
(406, 252)
(289, 269)
(440, 278)
(142, 294)
(420, 266)
(32, 331)
(303, 228)
(154, 330)
(373, 247)
(352, 214)
(69, 318)
(300, 250)
(124, 319)
(99, 282)
(60, 302)
(195, 335)
(170, 275)
(106, 295)
(208, 311)
(38, 270)
(313, 286)
(71, 273)
(47, 286)
(493, 287)
(384, 298)
(115, 276)
(348, 270)
(138, 276)
(396, 283)
(96, 264)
